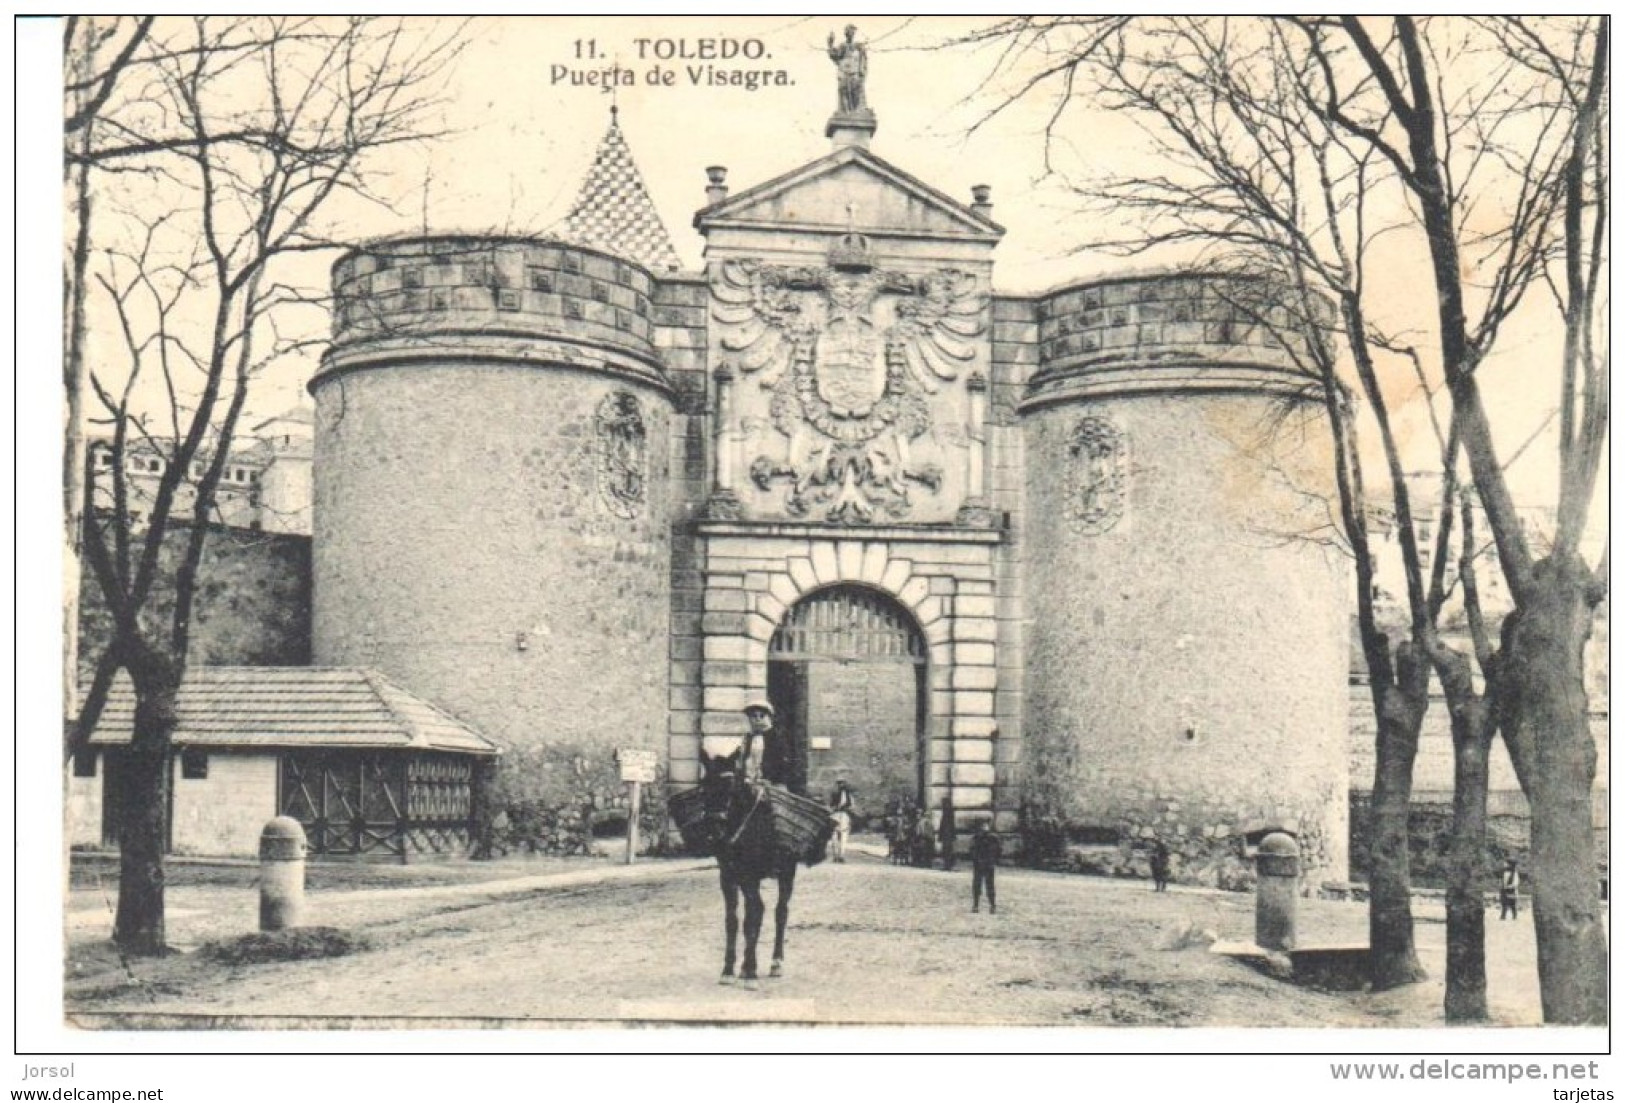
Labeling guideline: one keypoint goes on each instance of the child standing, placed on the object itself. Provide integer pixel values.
(1509, 889)
(985, 850)
(1159, 865)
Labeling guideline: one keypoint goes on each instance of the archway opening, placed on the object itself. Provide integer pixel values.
(847, 676)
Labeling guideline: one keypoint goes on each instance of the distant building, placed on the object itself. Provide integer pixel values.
(265, 486)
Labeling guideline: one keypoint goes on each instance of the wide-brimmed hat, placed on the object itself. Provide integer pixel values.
(761, 704)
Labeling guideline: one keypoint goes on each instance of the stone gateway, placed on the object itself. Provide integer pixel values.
(1033, 553)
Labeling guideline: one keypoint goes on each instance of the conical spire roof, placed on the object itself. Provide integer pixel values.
(613, 211)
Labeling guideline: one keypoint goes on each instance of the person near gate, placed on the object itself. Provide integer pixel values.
(766, 754)
(985, 850)
(1509, 889)
(840, 809)
(1159, 865)
(947, 836)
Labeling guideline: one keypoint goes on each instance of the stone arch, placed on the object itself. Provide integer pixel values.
(848, 671)
(759, 581)
(869, 563)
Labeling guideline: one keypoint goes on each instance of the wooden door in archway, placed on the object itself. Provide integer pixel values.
(846, 674)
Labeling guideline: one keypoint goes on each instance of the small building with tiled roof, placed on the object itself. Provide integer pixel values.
(367, 767)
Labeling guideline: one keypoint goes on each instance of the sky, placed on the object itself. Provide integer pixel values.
(530, 100)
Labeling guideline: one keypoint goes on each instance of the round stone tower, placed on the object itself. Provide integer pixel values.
(1187, 674)
(492, 514)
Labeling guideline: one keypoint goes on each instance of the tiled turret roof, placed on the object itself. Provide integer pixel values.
(613, 211)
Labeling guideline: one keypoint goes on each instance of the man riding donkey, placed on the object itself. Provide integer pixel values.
(757, 820)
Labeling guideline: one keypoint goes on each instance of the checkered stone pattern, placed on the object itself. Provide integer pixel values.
(613, 211)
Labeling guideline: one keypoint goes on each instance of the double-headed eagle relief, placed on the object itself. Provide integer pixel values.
(850, 355)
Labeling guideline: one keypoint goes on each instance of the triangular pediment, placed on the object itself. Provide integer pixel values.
(850, 188)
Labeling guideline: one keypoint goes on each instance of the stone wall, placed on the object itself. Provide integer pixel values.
(224, 813)
(252, 605)
(1432, 786)
(219, 816)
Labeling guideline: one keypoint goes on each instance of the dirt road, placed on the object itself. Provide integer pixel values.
(869, 944)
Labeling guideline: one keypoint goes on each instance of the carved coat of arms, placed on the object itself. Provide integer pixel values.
(623, 454)
(850, 355)
(1097, 496)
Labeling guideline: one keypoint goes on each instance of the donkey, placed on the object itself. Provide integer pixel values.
(739, 829)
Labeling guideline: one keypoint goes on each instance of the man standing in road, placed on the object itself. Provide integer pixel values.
(947, 834)
(840, 809)
(985, 849)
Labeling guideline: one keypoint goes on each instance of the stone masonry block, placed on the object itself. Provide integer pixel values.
(684, 771)
(976, 677)
(803, 575)
(896, 576)
(849, 557)
(942, 584)
(682, 698)
(942, 677)
(938, 634)
(685, 673)
(724, 580)
(974, 727)
(825, 565)
(758, 581)
(727, 674)
(973, 750)
(725, 698)
(771, 549)
(770, 607)
(928, 610)
(971, 798)
(942, 702)
(973, 703)
(724, 624)
(721, 744)
(874, 564)
(727, 648)
(783, 589)
(914, 591)
(976, 629)
(974, 773)
(729, 722)
(967, 605)
(942, 750)
(683, 723)
(975, 654)
(760, 628)
(727, 601)
(682, 747)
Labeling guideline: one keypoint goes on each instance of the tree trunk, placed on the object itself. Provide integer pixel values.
(144, 785)
(1546, 726)
(1472, 725)
(1393, 939)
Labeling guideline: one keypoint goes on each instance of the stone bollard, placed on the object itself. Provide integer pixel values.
(282, 874)
(1276, 919)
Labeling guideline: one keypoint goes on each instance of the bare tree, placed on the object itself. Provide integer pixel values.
(234, 138)
(98, 53)
(1273, 136)
(1401, 105)
(1253, 180)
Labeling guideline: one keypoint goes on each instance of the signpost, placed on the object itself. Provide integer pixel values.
(638, 766)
